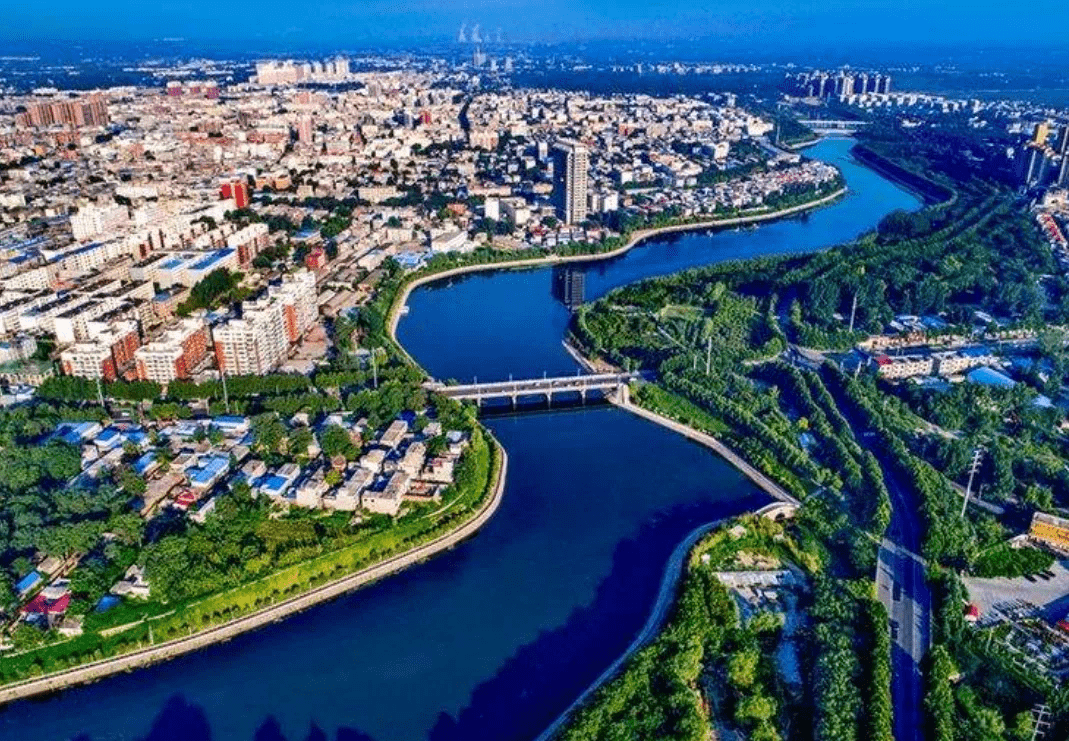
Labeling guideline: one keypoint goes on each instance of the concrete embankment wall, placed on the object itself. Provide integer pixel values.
(761, 480)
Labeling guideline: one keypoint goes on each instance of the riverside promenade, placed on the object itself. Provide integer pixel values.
(274, 613)
(636, 239)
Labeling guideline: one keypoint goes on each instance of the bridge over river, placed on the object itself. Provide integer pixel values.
(545, 387)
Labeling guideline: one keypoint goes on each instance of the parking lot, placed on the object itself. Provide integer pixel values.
(1001, 598)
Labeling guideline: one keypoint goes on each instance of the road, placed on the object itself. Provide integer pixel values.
(902, 587)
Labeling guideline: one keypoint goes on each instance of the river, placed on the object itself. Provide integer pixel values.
(493, 639)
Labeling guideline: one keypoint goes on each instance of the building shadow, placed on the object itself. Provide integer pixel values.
(182, 720)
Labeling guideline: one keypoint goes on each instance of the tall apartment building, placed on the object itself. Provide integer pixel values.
(260, 340)
(248, 242)
(238, 190)
(88, 110)
(304, 130)
(300, 307)
(107, 355)
(175, 354)
(571, 163)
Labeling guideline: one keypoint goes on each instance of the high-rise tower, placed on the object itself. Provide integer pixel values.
(571, 161)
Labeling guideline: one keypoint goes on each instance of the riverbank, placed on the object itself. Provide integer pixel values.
(636, 239)
(763, 482)
(94, 671)
(666, 597)
(931, 192)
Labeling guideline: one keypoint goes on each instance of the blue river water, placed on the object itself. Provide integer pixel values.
(494, 638)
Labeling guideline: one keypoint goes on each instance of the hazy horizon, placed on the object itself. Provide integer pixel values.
(759, 24)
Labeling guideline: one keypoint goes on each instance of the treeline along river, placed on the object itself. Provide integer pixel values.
(493, 639)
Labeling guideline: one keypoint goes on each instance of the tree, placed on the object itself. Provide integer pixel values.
(131, 483)
(335, 440)
(742, 667)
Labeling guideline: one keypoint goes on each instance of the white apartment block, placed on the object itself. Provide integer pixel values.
(91, 221)
(254, 344)
(260, 340)
(571, 165)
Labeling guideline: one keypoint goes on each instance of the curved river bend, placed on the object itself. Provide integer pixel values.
(493, 639)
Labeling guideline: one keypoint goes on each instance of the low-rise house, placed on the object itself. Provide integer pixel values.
(46, 611)
(276, 484)
(49, 566)
(253, 471)
(70, 626)
(211, 469)
(309, 493)
(347, 496)
(438, 470)
(231, 426)
(373, 460)
(27, 584)
(133, 584)
(412, 461)
(203, 511)
(386, 502)
(75, 433)
(903, 366)
(394, 434)
(146, 465)
(108, 439)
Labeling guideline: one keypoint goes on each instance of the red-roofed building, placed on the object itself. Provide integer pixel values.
(315, 259)
(185, 499)
(41, 605)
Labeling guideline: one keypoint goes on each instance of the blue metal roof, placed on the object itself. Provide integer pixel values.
(206, 262)
(27, 582)
(991, 377)
(108, 435)
(275, 484)
(143, 463)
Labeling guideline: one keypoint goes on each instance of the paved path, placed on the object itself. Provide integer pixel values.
(665, 599)
(170, 649)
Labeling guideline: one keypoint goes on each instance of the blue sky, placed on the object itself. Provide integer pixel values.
(763, 23)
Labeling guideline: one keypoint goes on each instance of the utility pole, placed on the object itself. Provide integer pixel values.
(374, 366)
(226, 393)
(100, 392)
(974, 466)
(708, 353)
(1040, 713)
(853, 308)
